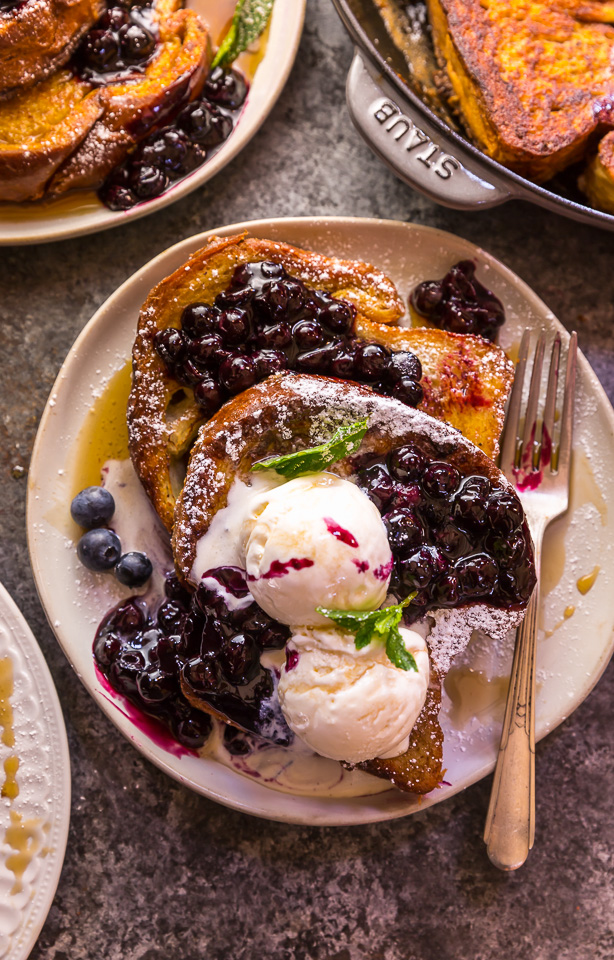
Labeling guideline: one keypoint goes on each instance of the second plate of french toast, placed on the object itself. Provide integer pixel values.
(111, 111)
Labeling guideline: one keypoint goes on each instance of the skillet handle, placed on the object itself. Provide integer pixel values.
(411, 145)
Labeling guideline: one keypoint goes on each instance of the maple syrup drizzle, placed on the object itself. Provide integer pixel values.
(24, 839)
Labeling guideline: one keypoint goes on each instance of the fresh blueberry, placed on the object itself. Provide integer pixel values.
(99, 549)
(133, 569)
(92, 507)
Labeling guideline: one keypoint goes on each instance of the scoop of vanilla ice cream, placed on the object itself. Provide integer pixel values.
(350, 704)
(316, 541)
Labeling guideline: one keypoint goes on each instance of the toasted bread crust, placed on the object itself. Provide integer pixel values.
(38, 38)
(65, 133)
(466, 379)
(529, 76)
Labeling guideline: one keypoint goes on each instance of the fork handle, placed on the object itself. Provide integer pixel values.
(510, 824)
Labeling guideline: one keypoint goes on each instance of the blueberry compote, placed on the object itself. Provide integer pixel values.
(267, 321)
(204, 643)
(454, 539)
(176, 149)
(120, 45)
(459, 302)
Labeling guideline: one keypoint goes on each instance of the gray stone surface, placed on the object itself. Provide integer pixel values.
(153, 870)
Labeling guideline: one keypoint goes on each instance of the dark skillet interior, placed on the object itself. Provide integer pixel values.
(414, 74)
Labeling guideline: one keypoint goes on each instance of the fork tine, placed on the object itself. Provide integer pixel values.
(509, 437)
(550, 405)
(568, 406)
(529, 435)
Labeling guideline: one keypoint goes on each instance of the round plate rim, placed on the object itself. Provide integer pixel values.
(30, 648)
(185, 246)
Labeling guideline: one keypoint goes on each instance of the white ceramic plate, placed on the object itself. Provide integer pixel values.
(34, 824)
(81, 212)
(570, 659)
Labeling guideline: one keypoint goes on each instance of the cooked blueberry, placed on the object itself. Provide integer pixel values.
(106, 648)
(406, 463)
(451, 540)
(114, 18)
(377, 484)
(279, 335)
(405, 531)
(440, 479)
(171, 346)
(171, 616)
(92, 507)
(193, 730)
(203, 350)
(208, 396)
(235, 742)
(273, 300)
(175, 590)
(237, 373)
(136, 42)
(129, 617)
(337, 315)
(272, 270)
(199, 319)
(239, 659)
(167, 150)
(100, 50)
(471, 501)
(343, 362)
(133, 569)
(226, 88)
(318, 360)
(234, 325)
(409, 392)
(403, 366)
(117, 197)
(268, 362)
(125, 671)
(504, 511)
(308, 334)
(427, 296)
(371, 361)
(477, 575)
(189, 373)
(99, 549)
(147, 181)
(204, 124)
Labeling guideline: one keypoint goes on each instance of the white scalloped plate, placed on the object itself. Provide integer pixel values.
(573, 653)
(38, 817)
(81, 211)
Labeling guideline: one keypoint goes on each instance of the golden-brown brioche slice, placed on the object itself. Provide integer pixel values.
(131, 108)
(293, 411)
(597, 180)
(39, 129)
(66, 133)
(39, 36)
(530, 76)
(466, 379)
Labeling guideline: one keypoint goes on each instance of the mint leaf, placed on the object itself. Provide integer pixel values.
(368, 625)
(397, 652)
(250, 19)
(344, 441)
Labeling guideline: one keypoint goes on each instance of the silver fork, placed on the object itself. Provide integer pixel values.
(539, 469)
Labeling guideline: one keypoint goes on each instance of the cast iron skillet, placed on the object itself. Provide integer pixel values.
(406, 123)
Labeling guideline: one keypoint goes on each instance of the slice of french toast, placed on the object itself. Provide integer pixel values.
(532, 78)
(597, 179)
(290, 412)
(68, 132)
(465, 380)
(38, 37)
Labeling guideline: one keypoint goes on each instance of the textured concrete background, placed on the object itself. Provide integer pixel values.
(153, 870)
